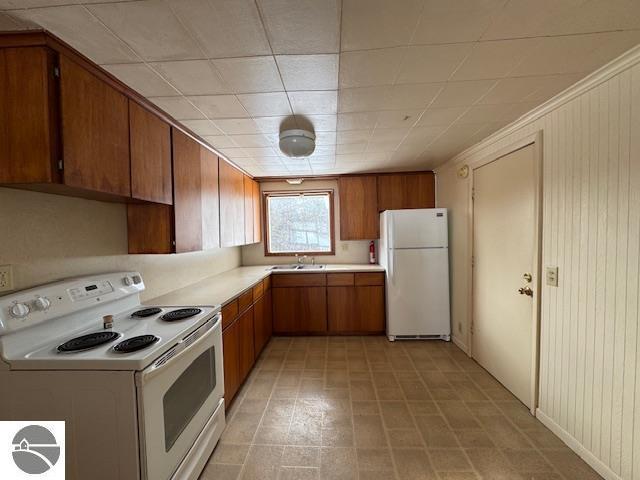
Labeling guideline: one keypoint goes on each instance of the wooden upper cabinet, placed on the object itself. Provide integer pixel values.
(408, 190)
(257, 213)
(358, 208)
(187, 185)
(248, 210)
(232, 222)
(28, 116)
(210, 199)
(95, 132)
(150, 139)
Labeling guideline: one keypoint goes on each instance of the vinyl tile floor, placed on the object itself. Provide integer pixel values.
(365, 408)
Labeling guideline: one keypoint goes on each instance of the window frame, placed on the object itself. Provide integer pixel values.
(292, 193)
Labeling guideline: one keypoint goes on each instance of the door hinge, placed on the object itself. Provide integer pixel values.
(56, 72)
(473, 194)
(473, 261)
(60, 165)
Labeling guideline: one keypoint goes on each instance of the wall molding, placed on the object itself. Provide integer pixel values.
(577, 447)
(619, 64)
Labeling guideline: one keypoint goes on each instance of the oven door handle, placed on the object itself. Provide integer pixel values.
(185, 345)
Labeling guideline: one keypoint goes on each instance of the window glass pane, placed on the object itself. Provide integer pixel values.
(299, 223)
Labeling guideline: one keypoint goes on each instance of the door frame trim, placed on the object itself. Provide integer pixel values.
(534, 139)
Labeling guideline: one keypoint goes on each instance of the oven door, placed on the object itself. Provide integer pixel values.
(177, 395)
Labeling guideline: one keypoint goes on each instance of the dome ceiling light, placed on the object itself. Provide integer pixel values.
(297, 143)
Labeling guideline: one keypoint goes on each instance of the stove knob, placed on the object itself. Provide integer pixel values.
(137, 279)
(127, 281)
(19, 310)
(42, 303)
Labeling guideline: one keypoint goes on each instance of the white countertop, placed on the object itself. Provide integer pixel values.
(219, 289)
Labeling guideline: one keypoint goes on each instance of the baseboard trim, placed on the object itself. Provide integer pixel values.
(577, 447)
(461, 345)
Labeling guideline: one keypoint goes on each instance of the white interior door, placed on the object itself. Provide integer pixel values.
(504, 238)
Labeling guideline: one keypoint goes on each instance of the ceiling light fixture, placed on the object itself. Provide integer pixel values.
(297, 143)
(295, 181)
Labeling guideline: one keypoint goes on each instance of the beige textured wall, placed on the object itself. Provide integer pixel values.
(47, 237)
(346, 252)
(590, 323)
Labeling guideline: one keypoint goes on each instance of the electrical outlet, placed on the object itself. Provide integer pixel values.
(552, 276)
(6, 278)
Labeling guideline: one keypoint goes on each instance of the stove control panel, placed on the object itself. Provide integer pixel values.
(84, 292)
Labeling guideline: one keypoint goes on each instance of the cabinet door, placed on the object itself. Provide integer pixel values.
(341, 309)
(248, 210)
(231, 358)
(28, 116)
(210, 199)
(247, 348)
(150, 228)
(259, 331)
(411, 190)
(299, 310)
(231, 205)
(257, 213)
(356, 310)
(358, 208)
(150, 139)
(187, 193)
(95, 132)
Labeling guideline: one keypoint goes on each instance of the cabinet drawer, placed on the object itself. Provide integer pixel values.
(300, 280)
(229, 313)
(370, 278)
(340, 279)
(258, 290)
(245, 300)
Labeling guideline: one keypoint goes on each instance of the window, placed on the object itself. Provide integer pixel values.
(299, 222)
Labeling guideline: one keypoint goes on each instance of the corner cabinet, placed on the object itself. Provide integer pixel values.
(406, 190)
(358, 196)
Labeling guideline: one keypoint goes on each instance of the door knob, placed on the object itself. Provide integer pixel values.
(527, 277)
(525, 291)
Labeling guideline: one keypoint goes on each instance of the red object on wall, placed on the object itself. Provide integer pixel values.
(372, 253)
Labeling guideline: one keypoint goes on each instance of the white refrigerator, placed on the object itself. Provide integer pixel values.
(414, 250)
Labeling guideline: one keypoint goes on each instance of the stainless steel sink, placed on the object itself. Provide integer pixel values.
(310, 267)
(297, 266)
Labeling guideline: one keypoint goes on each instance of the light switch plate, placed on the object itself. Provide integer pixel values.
(552, 276)
(6, 278)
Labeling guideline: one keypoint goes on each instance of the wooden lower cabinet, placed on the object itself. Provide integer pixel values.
(300, 310)
(246, 346)
(262, 322)
(356, 309)
(231, 356)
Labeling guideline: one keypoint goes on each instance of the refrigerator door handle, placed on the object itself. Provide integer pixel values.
(390, 248)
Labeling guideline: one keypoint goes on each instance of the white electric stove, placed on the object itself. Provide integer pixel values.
(144, 380)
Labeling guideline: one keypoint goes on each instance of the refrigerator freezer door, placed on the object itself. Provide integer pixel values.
(420, 228)
(418, 293)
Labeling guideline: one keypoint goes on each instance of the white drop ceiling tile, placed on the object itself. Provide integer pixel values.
(325, 138)
(224, 28)
(302, 26)
(440, 116)
(524, 18)
(193, 77)
(575, 53)
(494, 59)
(457, 94)
(552, 85)
(370, 67)
(512, 90)
(76, 26)
(432, 63)
(251, 140)
(388, 134)
(178, 107)
(202, 127)
(489, 113)
(398, 118)
(19, 4)
(275, 124)
(370, 24)
(250, 74)
(597, 16)
(237, 126)
(411, 96)
(357, 121)
(446, 21)
(219, 141)
(142, 79)
(318, 123)
(386, 146)
(266, 104)
(269, 161)
(363, 99)
(9, 23)
(261, 151)
(422, 136)
(320, 161)
(234, 153)
(350, 148)
(219, 106)
(309, 72)
(150, 28)
(353, 136)
(314, 102)
(323, 151)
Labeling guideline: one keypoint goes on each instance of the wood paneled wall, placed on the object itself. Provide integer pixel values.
(590, 333)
